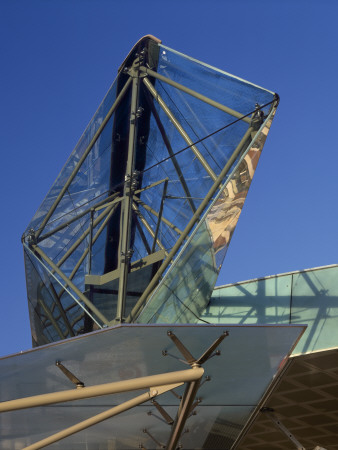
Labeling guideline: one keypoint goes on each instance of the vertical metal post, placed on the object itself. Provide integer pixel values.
(126, 205)
(90, 240)
(183, 414)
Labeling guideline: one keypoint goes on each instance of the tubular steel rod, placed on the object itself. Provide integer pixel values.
(162, 379)
(183, 414)
(148, 228)
(83, 157)
(190, 225)
(77, 217)
(180, 129)
(206, 355)
(164, 193)
(78, 383)
(156, 183)
(90, 245)
(84, 254)
(195, 94)
(70, 284)
(170, 151)
(143, 237)
(82, 237)
(283, 429)
(155, 213)
(126, 206)
(91, 421)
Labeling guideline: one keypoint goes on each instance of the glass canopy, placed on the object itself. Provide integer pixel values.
(137, 224)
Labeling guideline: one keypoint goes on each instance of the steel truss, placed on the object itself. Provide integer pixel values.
(138, 76)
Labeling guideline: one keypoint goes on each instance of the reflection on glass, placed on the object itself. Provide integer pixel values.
(308, 297)
(186, 288)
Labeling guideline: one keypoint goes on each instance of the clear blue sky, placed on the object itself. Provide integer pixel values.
(58, 58)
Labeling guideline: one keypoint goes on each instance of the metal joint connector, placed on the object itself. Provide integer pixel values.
(31, 239)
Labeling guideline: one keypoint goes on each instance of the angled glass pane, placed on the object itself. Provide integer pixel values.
(251, 358)
(131, 196)
(186, 288)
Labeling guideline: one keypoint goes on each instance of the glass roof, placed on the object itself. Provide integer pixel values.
(250, 358)
(157, 181)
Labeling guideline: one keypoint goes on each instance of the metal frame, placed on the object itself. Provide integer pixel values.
(156, 385)
(195, 218)
(126, 213)
(129, 201)
(82, 159)
(269, 412)
(195, 94)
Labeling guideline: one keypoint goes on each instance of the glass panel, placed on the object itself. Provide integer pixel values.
(84, 141)
(158, 173)
(250, 359)
(308, 297)
(52, 318)
(186, 288)
(315, 302)
(264, 301)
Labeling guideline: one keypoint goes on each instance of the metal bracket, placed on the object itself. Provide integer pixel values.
(179, 397)
(270, 413)
(188, 403)
(152, 437)
(79, 384)
(209, 353)
(169, 420)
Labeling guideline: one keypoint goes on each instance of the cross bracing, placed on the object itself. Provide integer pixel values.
(137, 224)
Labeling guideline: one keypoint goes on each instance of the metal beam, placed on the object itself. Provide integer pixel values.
(157, 229)
(156, 183)
(155, 213)
(97, 206)
(148, 227)
(77, 291)
(126, 206)
(183, 414)
(101, 417)
(181, 376)
(78, 383)
(270, 413)
(84, 254)
(180, 129)
(171, 152)
(241, 146)
(143, 237)
(195, 94)
(82, 159)
(82, 237)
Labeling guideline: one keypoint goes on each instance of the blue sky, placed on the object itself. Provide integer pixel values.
(58, 59)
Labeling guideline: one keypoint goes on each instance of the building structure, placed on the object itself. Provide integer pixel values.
(121, 262)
